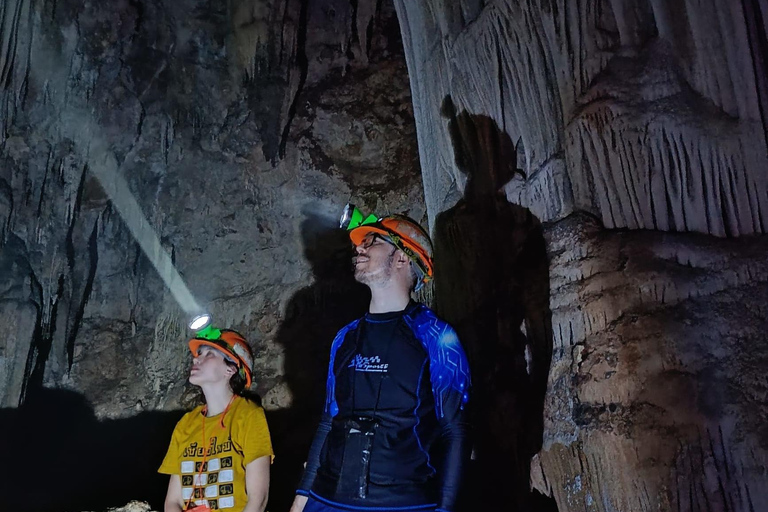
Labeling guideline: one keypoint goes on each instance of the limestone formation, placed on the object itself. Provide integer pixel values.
(648, 115)
(640, 137)
(593, 172)
(241, 129)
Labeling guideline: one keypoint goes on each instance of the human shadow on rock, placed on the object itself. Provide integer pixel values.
(492, 285)
(312, 318)
(58, 456)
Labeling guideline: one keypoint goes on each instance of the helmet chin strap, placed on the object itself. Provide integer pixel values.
(412, 257)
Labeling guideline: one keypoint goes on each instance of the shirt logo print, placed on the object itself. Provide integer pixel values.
(368, 364)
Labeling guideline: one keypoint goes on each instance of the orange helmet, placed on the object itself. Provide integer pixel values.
(233, 346)
(405, 234)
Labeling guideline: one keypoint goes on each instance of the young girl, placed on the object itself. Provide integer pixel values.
(220, 453)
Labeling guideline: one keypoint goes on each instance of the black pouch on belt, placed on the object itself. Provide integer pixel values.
(353, 477)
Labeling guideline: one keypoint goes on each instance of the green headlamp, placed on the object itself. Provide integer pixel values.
(352, 218)
(203, 327)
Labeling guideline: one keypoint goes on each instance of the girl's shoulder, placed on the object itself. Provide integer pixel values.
(247, 406)
(194, 414)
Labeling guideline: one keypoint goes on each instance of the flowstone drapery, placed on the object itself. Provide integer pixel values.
(640, 137)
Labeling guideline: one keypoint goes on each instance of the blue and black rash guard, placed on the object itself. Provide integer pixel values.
(407, 370)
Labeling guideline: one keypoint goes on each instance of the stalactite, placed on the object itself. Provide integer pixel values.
(180, 101)
(252, 29)
(15, 48)
(537, 40)
(87, 288)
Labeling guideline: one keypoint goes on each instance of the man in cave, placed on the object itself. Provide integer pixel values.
(393, 435)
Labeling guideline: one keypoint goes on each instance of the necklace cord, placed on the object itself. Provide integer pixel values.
(196, 481)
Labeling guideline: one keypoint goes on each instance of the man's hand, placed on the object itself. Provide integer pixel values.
(298, 504)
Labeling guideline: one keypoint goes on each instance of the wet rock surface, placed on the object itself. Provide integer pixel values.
(178, 123)
(240, 129)
(656, 391)
(638, 135)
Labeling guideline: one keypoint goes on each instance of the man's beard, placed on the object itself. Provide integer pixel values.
(383, 276)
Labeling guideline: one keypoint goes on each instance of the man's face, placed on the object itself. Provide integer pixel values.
(374, 259)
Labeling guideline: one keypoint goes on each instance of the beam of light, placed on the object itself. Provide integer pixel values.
(117, 189)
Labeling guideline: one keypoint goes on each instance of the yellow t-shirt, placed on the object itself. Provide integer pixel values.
(220, 483)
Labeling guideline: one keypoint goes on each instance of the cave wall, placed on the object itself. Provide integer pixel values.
(639, 134)
(656, 397)
(241, 129)
(647, 115)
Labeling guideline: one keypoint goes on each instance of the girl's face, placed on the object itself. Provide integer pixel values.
(209, 367)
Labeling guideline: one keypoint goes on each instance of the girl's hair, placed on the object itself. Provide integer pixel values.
(237, 385)
(237, 381)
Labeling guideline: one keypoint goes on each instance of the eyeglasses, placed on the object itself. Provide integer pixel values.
(371, 240)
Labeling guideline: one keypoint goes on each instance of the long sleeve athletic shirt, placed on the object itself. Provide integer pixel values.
(407, 370)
